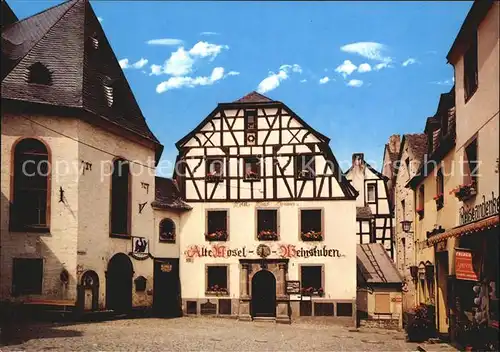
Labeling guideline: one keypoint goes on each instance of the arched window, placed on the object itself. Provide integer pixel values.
(39, 74)
(31, 196)
(120, 198)
(167, 231)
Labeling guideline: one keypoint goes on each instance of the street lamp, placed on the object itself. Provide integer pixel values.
(406, 225)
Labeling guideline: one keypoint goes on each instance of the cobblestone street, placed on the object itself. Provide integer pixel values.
(203, 334)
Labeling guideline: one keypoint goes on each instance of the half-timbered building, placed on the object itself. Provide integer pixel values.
(373, 207)
(272, 225)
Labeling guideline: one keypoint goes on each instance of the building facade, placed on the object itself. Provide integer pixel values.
(78, 170)
(374, 210)
(271, 213)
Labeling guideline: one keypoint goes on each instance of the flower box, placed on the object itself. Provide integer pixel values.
(217, 290)
(251, 176)
(465, 192)
(214, 177)
(439, 198)
(267, 235)
(312, 291)
(219, 235)
(312, 236)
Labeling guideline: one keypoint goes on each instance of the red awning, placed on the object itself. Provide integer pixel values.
(477, 226)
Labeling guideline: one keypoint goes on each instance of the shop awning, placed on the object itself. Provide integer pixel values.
(481, 225)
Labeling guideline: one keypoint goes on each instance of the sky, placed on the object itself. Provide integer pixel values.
(357, 72)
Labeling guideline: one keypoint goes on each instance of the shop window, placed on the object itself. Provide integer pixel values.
(251, 167)
(311, 279)
(370, 194)
(305, 166)
(215, 170)
(382, 303)
(27, 276)
(217, 227)
(30, 211)
(120, 198)
(217, 280)
(267, 224)
(471, 69)
(311, 225)
(39, 74)
(471, 164)
(344, 309)
(167, 231)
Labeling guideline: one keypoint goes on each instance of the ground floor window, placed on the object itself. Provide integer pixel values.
(217, 280)
(311, 279)
(27, 276)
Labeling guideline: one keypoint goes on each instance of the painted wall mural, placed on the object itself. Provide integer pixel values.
(262, 250)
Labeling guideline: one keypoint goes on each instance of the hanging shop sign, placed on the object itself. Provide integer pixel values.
(140, 248)
(483, 210)
(464, 270)
(276, 250)
(292, 287)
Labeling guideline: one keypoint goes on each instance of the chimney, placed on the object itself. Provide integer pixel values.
(357, 159)
(394, 143)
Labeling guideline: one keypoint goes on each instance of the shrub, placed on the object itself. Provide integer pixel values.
(421, 325)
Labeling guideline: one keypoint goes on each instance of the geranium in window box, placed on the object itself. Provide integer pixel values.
(219, 235)
(251, 176)
(217, 290)
(420, 212)
(439, 198)
(465, 192)
(312, 236)
(267, 235)
(214, 177)
(310, 291)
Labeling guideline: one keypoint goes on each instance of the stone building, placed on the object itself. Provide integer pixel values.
(409, 158)
(374, 215)
(271, 233)
(78, 170)
(390, 163)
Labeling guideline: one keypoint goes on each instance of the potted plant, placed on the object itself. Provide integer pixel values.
(267, 235)
(421, 325)
(465, 191)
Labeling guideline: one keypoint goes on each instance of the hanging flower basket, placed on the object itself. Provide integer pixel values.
(267, 235)
(464, 192)
(312, 236)
(219, 235)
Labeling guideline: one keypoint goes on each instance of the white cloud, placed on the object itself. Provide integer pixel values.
(156, 70)
(446, 82)
(164, 41)
(209, 33)
(233, 73)
(381, 65)
(294, 68)
(123, 63)
(370, 50)
(272, 81)
(180, 63)
(324, 80)
(191, 82)
(409, 61)
(355, 83)
(346, 68)
(204, 49)
(364, 68)
(303, 80)
(100, 19)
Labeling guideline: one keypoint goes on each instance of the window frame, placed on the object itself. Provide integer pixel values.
(368, 185)
(214, 178)
(322, 268)
(250, 159)
(322, 214)
(471, 58)
(439, 189)
(174, 226)
(14, 290)
(420, 209)
(467, 177)
(207, 211)
(275, 209)
(13, 225)
(299, 161)
(214, 293)
(128, 233)
(253, 113)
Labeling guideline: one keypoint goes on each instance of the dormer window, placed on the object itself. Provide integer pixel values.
(39, 74)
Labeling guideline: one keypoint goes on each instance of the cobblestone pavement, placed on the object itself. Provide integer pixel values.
(203, 334)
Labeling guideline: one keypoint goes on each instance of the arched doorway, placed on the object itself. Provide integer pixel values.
(263, 294)
(90, 290)
(119, 283)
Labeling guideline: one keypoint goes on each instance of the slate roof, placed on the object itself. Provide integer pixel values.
(168, 196)
(374, 265)
(69, 40)
(8, 16)
(254, 97)
(364, 213)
